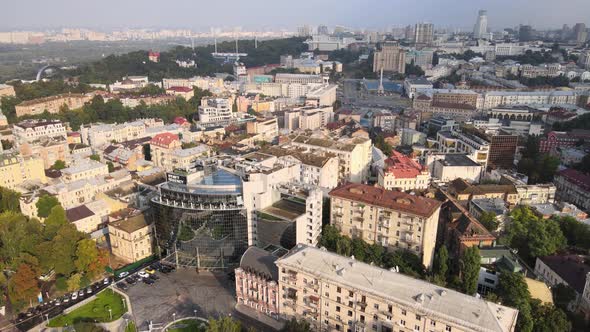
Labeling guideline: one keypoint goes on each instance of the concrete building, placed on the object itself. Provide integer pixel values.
(98, 135)
(336, 293)
(495, 99)
(268, 129)
(502, 150)
(354, 155)
(181, 91)
(480, 30)
(83, 218)
(162, 146)
(33, 130)
(15, 169)
(465, 140)
(393, 219)
(52, 104)
(391, 58)
(423, 34)
(299, 78)
(132, 239)
(257, 282)
(308, 118)
(402, 173)
(573, 187)
(556, 140)
(412, 85)
(84, 169)
(411, 137)
(536, 194)
(215, 112)
(7, 91)
(453, 166)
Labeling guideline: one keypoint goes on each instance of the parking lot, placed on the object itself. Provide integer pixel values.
(178, 294)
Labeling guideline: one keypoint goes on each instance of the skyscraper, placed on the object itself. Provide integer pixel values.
(423, 33)
(323, 30)
(580, 33)
(390, 57)
(481, 25)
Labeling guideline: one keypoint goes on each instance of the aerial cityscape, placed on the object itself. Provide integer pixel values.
(372, 166)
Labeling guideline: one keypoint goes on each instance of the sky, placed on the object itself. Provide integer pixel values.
(262, 14)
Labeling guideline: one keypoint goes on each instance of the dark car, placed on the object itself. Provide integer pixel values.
(131, 280)
(148, 281)
(154, 277)
(122, 285)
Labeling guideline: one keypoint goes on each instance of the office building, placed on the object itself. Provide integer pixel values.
(525, 33)
(580, 33)
(299, 78)
(451, 166)
(389, 58)
(266, 129)
(308, 118)
(132, 238)
(423, 33)
(502, 150)
(481, 25)
(215, 112)
(403, 173)
(337, 293)
(393, 219)
(323, 30)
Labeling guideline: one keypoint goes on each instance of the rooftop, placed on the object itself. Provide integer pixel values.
(78, 213)
(401, 166)
(260, 261)
(458, 160)
(388, 199)
(576, 177)
(571, 268)
(131, 224)
(473, 313)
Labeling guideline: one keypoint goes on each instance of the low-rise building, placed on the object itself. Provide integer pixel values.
(337, 293)
(7, 91)
(28, 131)
(84, 169)
(52, 104)
(132, 238)
(403, 173)
(15, 169)
(83, 218)
(392, 219)
(268, 129)
(573, 187)
(181, 91)
(465, 192)
(451, 166)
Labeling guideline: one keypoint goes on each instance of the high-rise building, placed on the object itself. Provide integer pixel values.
(323, 30)
(525, 33)
(304, 31)
(391, 58)
(580, 33)
(481, 25)
(423, 33)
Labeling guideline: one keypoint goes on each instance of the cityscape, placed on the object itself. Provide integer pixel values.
(260, 175)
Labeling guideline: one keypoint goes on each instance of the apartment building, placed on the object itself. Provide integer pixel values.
(573, 187)
(464, 141)
(299, 78)
(322, 95)
(354, 155)
(84, 169)
(393, 219)
(33, 130)
(268, 129)
(49, 150)
(98, 135)
(337, 293)
(215, 112)
(450, 166)
(15, 169)
(308, 118)
(390, 58)
(502, 149)
(403, 173)
(561, 139)
(161, 146)
(52, 104)
(535, 194)
(506, 98)
(132, 238)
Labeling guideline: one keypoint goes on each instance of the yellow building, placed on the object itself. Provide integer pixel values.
(15, 169)
(132, 239)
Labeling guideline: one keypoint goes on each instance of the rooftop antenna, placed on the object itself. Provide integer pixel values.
(215, 38)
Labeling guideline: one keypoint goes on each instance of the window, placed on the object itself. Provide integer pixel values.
(418, 318)
(432, 323)
(376, 306)
(402, 322)
(349, 313)
(338, 289)
(416, 327)
(350, 294)
(448, 328)
(404, 312)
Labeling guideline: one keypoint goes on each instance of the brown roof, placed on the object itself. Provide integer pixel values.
(78, 213)
(131, 224)
(389, 199)
(571, 268)
(460, 186)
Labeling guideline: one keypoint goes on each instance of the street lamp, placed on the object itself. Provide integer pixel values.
(173, 317)
(195, 311)
(47, 318)
(111, 313)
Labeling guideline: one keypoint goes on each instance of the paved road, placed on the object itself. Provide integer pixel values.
(182, 292)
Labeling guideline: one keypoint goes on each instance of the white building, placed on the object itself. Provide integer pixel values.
(215, 111)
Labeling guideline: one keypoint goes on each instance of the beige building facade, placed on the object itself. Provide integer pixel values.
(132, 239)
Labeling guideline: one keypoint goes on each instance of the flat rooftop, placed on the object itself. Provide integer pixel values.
(458, 160)
(285, 209)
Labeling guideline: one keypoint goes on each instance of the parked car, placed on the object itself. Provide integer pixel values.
(81, 293)
(123, 275)
(106, 281)
(148, 281)
(89, 290)
(150, 270)
(66, 299)
(122, 285)
(143, 274)
(74, 296)
(131, 280)
(154, 277)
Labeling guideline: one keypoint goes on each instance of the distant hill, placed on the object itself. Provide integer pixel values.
(114, 67)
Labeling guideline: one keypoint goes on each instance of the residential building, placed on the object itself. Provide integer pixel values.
(495, 99)
(412, 85)
(559, 139)
(48, 149)
(573, 187)
(129, 83)
(33, 130)
(15, 169)
(536, 194)
(393, 219)
(354, 155)
(82, 169)
(403, 173)
(268, 129)
(464, 191)
(412, 136)
(299, 78)
(215, 112)
(52, 104)
(132, 238)
(257, 282)
(161, 146)
(308, 118)
(181, 91)
(502, 150)
(423, 34)
(7, 91)
(83, 218)
(98, 135)
(337, 293)
(465, 140)
(390, 58)
(569, 270)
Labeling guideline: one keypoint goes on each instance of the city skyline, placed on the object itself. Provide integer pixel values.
(380, 14)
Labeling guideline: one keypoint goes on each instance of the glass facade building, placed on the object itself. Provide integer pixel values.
(201, 216)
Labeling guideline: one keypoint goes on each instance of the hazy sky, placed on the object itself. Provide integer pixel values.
(199, 14)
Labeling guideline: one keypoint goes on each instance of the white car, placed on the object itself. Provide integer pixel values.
(123, 274)
(106, 281)
(74, 296)
(143, 274)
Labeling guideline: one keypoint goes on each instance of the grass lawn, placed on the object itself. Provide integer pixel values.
(95, 310)
(131, 327)
(188, 325)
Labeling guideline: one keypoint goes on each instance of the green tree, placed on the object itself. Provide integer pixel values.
(330, 236)
(54, 222)
(45, 204)
(95, 157)
(86, 254)
(548, 318)
(74, 282)
(441, 261)
(147, 153)
(489, 221)
(9, 200)
(514, 292)
(576, 233)
(64, 249)
(563, 295)
(18, 235)
(224, 324)
(59, 165)
(294, 325)
(470, 263)
(344, 246)
(111, 167)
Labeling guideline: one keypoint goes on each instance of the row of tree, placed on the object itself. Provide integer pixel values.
(539, 167)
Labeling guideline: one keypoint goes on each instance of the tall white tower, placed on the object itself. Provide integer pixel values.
(481, 26)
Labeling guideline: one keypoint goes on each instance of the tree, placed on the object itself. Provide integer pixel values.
(548, 318)
(147, 153)
(56, 219)
(64, 249)
(95, 157)
(441, 261)
(533, 236)
(18, 235)
(74, 282)
(86, 254)
(225, 324)
(295, 325)
(563, 295)
(344, 246)
(489, 221)
(514, 292)
(111, 167)
(22, 286)
(9, 200)
(576, 233)
(45, 204)
(470, 264)
(59, 165)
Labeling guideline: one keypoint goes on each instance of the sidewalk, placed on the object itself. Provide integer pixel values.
(260, 317)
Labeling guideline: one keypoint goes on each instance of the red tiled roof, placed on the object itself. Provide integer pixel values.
(402, 167)
(153, 53)
(576, 177)
(180, 120)
(179, 89)
(164, 139)
(389, 199)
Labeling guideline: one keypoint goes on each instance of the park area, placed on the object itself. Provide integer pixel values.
(106, 307)
(188, 325)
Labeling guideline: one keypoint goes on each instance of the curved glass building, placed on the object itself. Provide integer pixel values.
(200, 217)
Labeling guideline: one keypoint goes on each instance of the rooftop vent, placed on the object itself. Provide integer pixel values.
(442, 292)
(420, 298)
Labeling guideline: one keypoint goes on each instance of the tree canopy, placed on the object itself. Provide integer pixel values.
(45, 204)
